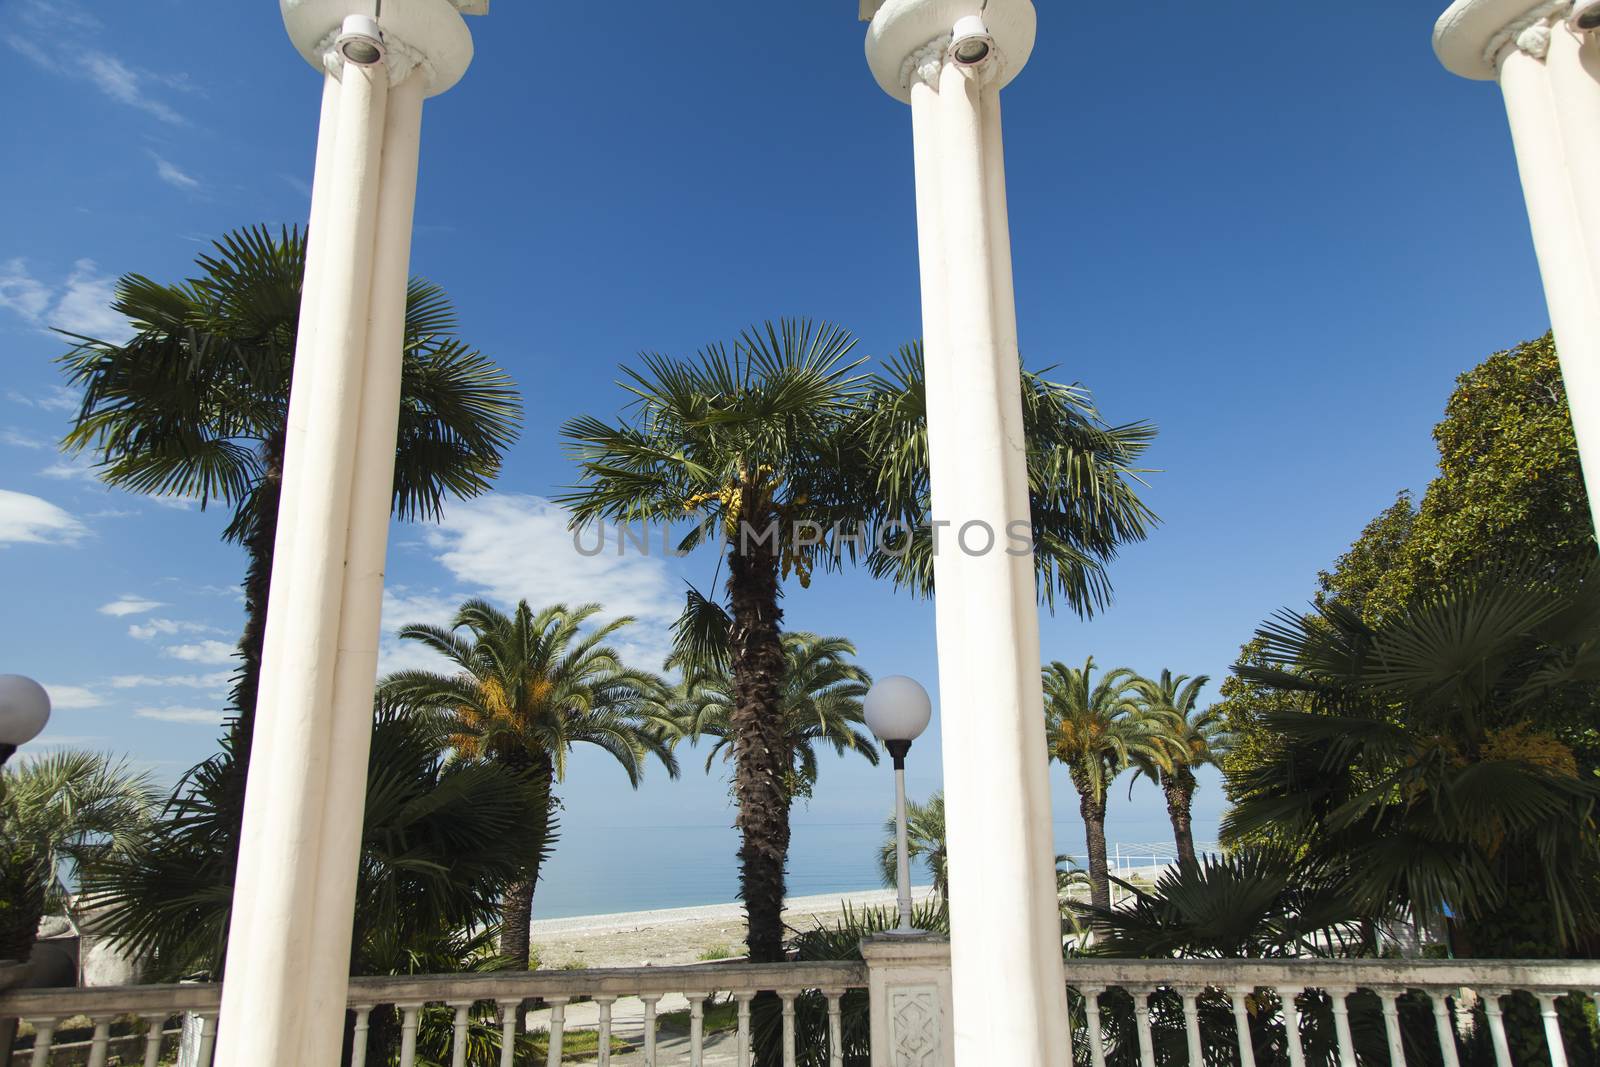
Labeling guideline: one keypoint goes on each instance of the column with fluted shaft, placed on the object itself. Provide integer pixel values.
(1546, 58)
(949, 59)
(294, 898)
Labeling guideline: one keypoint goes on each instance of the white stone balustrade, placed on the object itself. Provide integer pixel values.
(1158, 1013)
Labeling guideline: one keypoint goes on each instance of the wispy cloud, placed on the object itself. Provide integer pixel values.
(514, 547)
(53, 398)
(167, 628)
(169, 172)
(130, 604)
(213, 680)
(196, 716)
(122, 83)
(18, 439)
(58, 37)
(208, 652)
(73, 697)
(26, 519)
(77, 468)
(80, 303)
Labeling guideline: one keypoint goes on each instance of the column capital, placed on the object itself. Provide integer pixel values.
(426, 35)
(908, 38)
(1472, 35)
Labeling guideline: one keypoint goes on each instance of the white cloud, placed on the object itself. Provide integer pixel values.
(211, 681)
(122, 83)
(26, 519)
(73, 697)
(515, 547)
(129, 604)
(169, 172)
(77, 468)
(18, 439)
(54, 398)
(81, 304)
(167, 628)
(210, 652)
(202, 716)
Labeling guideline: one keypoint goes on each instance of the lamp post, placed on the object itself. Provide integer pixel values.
(897, 710)
(1545, 55)
(24, 711)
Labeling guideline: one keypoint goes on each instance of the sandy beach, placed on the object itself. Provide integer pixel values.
(673, 936)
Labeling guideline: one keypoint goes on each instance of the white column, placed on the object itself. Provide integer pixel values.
(1550, 77)
(289, 951)
(1010, 1003)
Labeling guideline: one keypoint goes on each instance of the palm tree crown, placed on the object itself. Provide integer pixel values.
(1191, 739)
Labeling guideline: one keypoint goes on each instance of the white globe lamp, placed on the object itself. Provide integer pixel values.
(24, 711)
(897, 710)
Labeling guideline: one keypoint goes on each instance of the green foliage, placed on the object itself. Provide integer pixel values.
(1426, 765)
(925, 840)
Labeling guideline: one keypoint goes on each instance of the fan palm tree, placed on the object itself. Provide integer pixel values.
(528, 687)
(1192, 739)
(780, 430)
(66, 810)
(1097, 730)
(925, 840)
(196, 405)
(1436, 762)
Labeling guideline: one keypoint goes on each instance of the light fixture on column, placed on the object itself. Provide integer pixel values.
(897, 710)
(360, 40)
(1585, 17)
(24, 711)
(971, 43)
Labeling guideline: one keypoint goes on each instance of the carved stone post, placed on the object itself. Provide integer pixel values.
(909, 998)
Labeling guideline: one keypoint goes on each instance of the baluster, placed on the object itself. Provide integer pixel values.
(508, 1031)
(358, 1034)
(458, 1038)
(1497, 1026)
(44, 1035)
(1291, 1026)
(1141, 1015)
(558, 1026)
(650, 1029)
(605, 1031)
(835, 1027)
(1391, 1025)
(100, 1046)
(1241, 1026)
(1552, 1028)
(208, 1038)
(1091, 1019)
(1191, 1025)
(697, 1029)
(742, 1053)
(1445, 1027)
(1341, 1025)
(788, 1030)
(155, 1025)
(409, 1014)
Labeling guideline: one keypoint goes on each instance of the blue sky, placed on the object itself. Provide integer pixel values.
(1277, 238)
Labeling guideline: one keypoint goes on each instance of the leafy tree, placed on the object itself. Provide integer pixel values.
(779, 430)
(1191, 739)
(925, 840)
(196, 406)
(1427, 764)
(440, 842)
(527, 688)
(1097, 730)
(822, 693)
(60, 813)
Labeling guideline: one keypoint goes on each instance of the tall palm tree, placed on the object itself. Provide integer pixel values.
(1097, 730)
(779, 429)
(1439, 761)
(196, 405)
(527, 688)
(60, 812)
(1192, 738)
(821, 705)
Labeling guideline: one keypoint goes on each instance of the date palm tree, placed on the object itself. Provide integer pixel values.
(1097, 730)
(1192, 738)
(526, 688)
(925, 840)
(780, 429)
(196, 404)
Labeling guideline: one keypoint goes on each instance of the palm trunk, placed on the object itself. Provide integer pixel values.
(1094, 829)
(260, 538)
(516, 909)
(1179, 788)
(760, 755)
